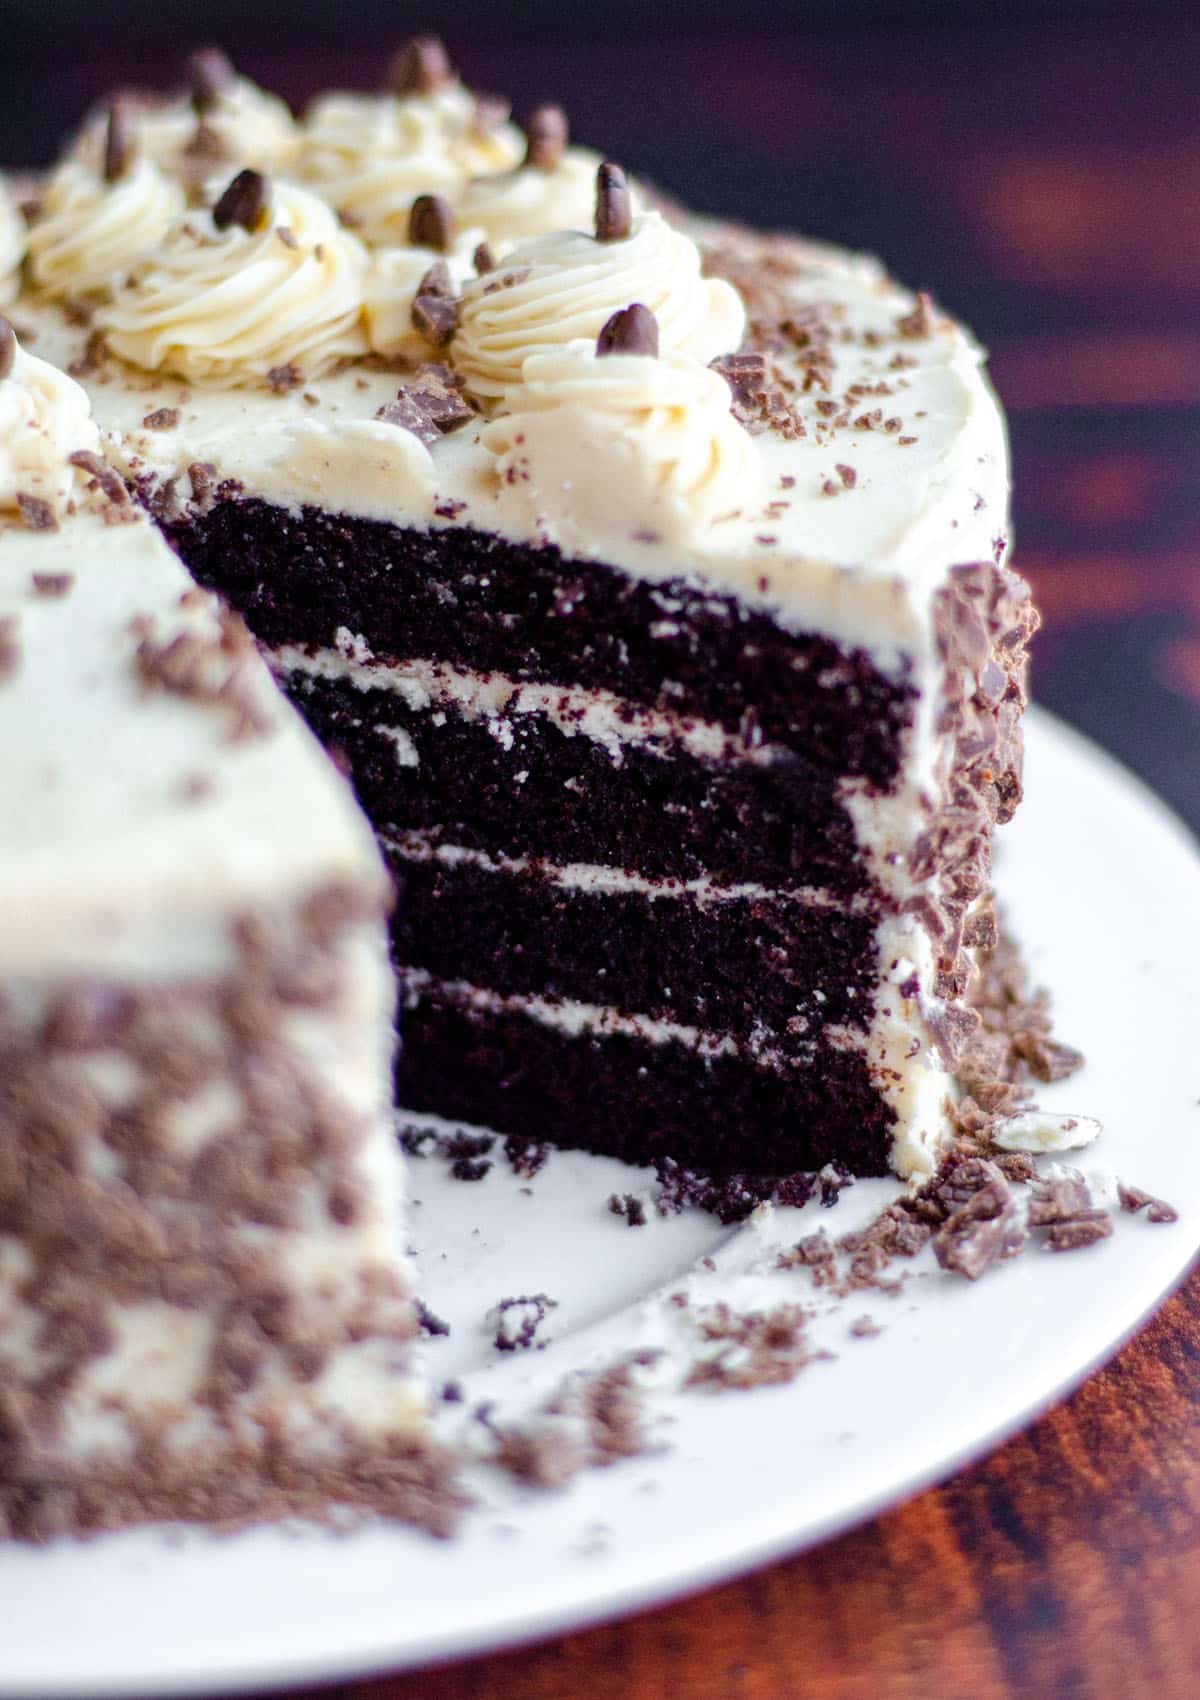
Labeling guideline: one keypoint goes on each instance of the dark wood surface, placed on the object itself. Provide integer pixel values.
(1045, 178)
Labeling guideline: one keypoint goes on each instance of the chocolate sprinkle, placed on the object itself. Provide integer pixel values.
(547, 134)
(210, 73)
(118, 142)
(420, 66)
(8, 347)
(242, 202)
(1133, 1199)
(631, 330)
(614, 209)
(431, 223)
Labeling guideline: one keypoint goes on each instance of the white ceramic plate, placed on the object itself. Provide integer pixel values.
(1102, 887)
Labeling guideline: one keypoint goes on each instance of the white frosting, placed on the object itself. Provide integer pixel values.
(370, 156)
(662, 453)
(225, 307)
(88, 231)
(557, 289)
(1042, 1131)
(376, 464)
(12, 246)
(392, 279)
(249, 127)
(45, 417)
(533, 201)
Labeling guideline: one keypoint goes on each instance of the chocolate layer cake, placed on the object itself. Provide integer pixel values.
(644, 575)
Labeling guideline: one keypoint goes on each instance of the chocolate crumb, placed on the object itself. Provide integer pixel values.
(103, 476)
(630, 1206)
(630, 330)
(162, 419)
(432, 1325)
(526, 1157)
(614, 208)
(922, 321)
(865, 1328)
(282, 379)
(1062, 1200)
(518, 1320)
(754, 1348)
(431, 223)
(36, 513)
(847, 474)
(52, 584)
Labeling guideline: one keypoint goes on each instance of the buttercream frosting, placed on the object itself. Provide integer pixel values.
(12, 246)
(370, 156)
(590, 448)
(232, 306)
(88, 231)
(557, 289)
(392, 279)
(45, 417)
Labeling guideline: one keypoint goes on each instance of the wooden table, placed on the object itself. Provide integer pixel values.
(1046, 179)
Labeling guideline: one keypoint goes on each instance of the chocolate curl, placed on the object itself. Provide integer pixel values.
(431, 223)
(632, 330)
(242, 202)
(614, 208)
(420, 66)
(210, 73)
(547, 134)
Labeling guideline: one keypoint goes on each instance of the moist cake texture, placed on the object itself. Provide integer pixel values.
(644, 574)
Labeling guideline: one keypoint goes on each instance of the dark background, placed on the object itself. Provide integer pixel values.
(1038, 166)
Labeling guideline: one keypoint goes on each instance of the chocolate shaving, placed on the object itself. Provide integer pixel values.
(36, 513)
(755, 1348)
(435, 308)
(162, 419)
(760, 401)
(614, 207)
(430, 405)
(211, 74)
(118, 142)
(421, 66)
(242, 202)
(431, 223)
(103, 476)
(922, 321)
(1063, 1200)
(1133, 1199)
(52, 584)
(631, 330)
(1079, 1232)
(984, 1230)
(547, 134)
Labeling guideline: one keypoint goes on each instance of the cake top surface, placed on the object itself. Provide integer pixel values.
(283, 296)
(149, 761)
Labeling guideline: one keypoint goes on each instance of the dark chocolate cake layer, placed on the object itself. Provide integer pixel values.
(626, 1097)
(737, 964)
(483, 603)
(665, 814)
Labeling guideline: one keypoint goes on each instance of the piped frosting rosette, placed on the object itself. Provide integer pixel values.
(45, 417)
(592, 448)
(533, 200)
(89, 231)
(240, 304)
(370, 156)
(552, 291)
(240, 125)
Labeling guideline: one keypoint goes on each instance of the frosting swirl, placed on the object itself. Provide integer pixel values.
(531, 201)
(89, 230)
(369, 156)
(45, 417)
(12, 246)
(595, 448)
(228, 307)
(553, 290)
(393, 275)
(242, 125)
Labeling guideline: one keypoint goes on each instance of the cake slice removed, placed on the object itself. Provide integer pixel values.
(203, 1310)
